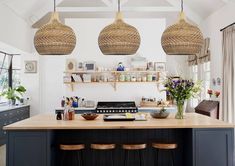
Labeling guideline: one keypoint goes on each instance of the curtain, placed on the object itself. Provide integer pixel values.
(204, 55)
(228, 88)
(192, 60)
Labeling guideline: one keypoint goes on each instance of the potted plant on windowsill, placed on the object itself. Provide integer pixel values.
(13, 94)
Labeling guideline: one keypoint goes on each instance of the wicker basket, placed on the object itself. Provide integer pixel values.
(55, 38)
(182, 38)
(119, 38)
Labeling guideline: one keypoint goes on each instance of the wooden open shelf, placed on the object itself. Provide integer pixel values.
(113, 72)
(116, 74)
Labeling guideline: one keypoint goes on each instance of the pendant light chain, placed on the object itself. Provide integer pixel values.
(54, 5)
(119, 6)
(182, 5)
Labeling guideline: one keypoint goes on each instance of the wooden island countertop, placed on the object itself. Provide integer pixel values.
(48, 122)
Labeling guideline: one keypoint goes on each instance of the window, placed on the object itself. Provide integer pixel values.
(201, 72)
(206, 72)
(9, 72)
(194, 75)
(194, 72)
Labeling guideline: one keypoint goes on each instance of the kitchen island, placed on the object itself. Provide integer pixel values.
(202, 141)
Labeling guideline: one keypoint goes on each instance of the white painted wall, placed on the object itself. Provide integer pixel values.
(87, 31)
(211, 28)
(14, 30)
(16, 37)
(31, 81)
(177, 65)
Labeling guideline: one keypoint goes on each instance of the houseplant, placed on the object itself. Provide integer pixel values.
(181, 90)
(13, 94)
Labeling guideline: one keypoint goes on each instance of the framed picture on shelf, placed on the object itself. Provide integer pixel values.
(80, 66)
(30, 66)
(160, 66)
(70, 65)
(67, 79)
(90, 66)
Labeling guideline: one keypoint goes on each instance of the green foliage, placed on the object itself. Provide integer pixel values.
(13, 93)
(182, 90)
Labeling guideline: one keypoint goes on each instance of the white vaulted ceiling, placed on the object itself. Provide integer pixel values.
(37, 12)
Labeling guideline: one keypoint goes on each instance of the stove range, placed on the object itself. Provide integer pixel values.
(116, 107)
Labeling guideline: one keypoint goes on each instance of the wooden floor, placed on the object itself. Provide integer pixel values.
(3, 155)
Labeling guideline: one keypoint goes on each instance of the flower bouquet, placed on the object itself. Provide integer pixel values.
(181, 90)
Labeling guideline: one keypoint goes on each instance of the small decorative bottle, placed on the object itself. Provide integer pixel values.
(63, 102)
(59, 116)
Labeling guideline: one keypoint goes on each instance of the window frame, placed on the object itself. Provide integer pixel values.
(9, 69)
(202, 70)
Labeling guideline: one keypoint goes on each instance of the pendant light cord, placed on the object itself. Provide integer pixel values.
(119, 6)
(182, 5)
(54, 5)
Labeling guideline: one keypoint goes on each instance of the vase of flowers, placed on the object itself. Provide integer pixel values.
(217, 94)
(181, 90)
(210, 93)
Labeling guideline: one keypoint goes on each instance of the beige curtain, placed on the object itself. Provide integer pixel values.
(192, 60)
(228, 89)
(204, 55)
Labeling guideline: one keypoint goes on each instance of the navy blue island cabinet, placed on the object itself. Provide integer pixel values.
(201, 141)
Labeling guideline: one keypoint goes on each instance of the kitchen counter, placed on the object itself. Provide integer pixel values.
(48, 122)
(11, 107)
(201, 140)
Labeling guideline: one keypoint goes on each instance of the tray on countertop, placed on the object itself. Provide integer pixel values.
(118, 117)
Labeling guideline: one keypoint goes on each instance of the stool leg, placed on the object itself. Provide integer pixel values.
(156, 158)
(62, 158)
(78, 158)
(172, 158)
(93, 157)
(141, 157)
(112, 159)
(126, 157)
(81, 158)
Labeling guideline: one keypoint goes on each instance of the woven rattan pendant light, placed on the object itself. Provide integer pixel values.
(182, 38)
(55, 38)
(119, 38)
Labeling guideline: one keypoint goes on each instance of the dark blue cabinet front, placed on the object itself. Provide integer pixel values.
(196, 147)
(10, 116)
(213, 147)
(27, 149)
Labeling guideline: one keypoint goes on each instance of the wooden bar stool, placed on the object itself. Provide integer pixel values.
(133, 147)
(164, 146)
(104, 147)
(72, 154)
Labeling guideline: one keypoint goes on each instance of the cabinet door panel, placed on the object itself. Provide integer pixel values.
(213, 147)
(3, 115)
(22, 144)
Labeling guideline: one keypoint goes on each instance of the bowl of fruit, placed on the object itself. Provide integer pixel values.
(90, 116)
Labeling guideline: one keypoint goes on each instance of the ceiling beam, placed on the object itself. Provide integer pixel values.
(108, 9)
(37, 15)
(107, 2)
(227, 1)
(189, 12)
